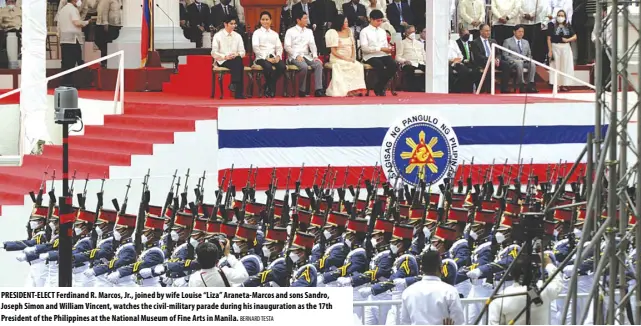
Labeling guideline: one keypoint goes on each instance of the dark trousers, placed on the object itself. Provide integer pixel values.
(412, 82)
(236, 70)
(272, 75)
(502, 32)
(504, 67)
(385, 68)
(462, 78)
(105, 34)
(606, 69)
(540, 45)
(197, 36)
(71, 56)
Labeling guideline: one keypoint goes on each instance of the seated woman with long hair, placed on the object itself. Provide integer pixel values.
(269, 53)
(347, 74)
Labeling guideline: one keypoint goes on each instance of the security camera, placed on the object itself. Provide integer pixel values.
(66, 105)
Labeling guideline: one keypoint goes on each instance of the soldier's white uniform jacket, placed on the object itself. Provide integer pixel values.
(142, 268)
(275, 275)
(305, 276)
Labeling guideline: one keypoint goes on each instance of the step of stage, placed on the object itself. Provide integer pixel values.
(104, 146)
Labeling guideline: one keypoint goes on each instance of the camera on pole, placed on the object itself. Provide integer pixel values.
(66, 106)
(66, 114)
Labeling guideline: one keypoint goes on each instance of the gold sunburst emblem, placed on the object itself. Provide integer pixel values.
(421, 155)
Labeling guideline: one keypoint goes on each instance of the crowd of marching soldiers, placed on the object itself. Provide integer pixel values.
(310, 239)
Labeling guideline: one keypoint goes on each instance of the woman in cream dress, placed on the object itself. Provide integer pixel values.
(348, 77)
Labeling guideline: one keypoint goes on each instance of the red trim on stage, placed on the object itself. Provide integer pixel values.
(478, 170)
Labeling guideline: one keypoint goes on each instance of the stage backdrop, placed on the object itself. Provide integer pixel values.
(350, 137)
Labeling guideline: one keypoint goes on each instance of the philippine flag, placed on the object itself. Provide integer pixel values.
(353, 138)
(146, 31)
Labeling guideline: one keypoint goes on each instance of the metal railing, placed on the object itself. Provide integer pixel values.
(119, 97)
(492, 67)
(467, 303)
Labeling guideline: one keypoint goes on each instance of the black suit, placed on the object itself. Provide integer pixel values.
(218, 16)
(298, 8)
(394, 16)
(352, 15)
(479, 60)
(461, 47)
(323, 12)
(418, 11)
(198, 18)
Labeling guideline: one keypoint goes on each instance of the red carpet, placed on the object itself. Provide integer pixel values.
(112, 144)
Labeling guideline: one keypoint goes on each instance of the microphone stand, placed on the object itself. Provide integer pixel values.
(173, 25)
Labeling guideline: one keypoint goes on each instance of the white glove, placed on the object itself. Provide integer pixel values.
(567, 271)
(365, 292)
(99, 232)
(90, 273)
(488, 286)
(44, 256)
(320, 279)
(22, 257)
(344, 281)
(159, 270)
(426, 232)
(577, 233)
(400, 284)
(473, 235)
(468, 228)
(114, 277)
(180, 282)
(499, 237)
(29, 250)
(474, 274)
(174, 236)
(166, 280)
(145, 273)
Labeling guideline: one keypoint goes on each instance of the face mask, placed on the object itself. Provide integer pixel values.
(266, 252)
(236, 248)
(77, 231)
(52, 226)
(294, 257)
(374, 242)
(327, 234)
(394, 248)
(33, 224)
(99, 232)
(560, 19)
(79, 4)
(412, 36)
(143, 239)
(348, 242)
(465, 37)
(165, 227)
(117, 235)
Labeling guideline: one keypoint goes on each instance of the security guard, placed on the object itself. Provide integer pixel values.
(275, 275)
(140, 272)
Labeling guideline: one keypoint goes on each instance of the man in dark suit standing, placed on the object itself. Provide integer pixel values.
(419, 10)
(481, 51)
(323, 13)
(219, 12)
(198, 16)
(399, 15)
(356, 13)
(306, 7)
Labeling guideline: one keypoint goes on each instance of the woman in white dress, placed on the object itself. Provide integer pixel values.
(348, 77)
(560, 35)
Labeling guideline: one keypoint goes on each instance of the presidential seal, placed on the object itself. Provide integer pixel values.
(420, 146)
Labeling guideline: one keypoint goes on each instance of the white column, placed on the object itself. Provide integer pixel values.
(33, 98)
(167, 35)
(437, 22)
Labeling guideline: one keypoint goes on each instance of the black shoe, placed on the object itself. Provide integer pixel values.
(232, 87)
(319, 93)
(302, 94)
(240, 97)
(505, 91)
(522, 89)
(380, 93)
